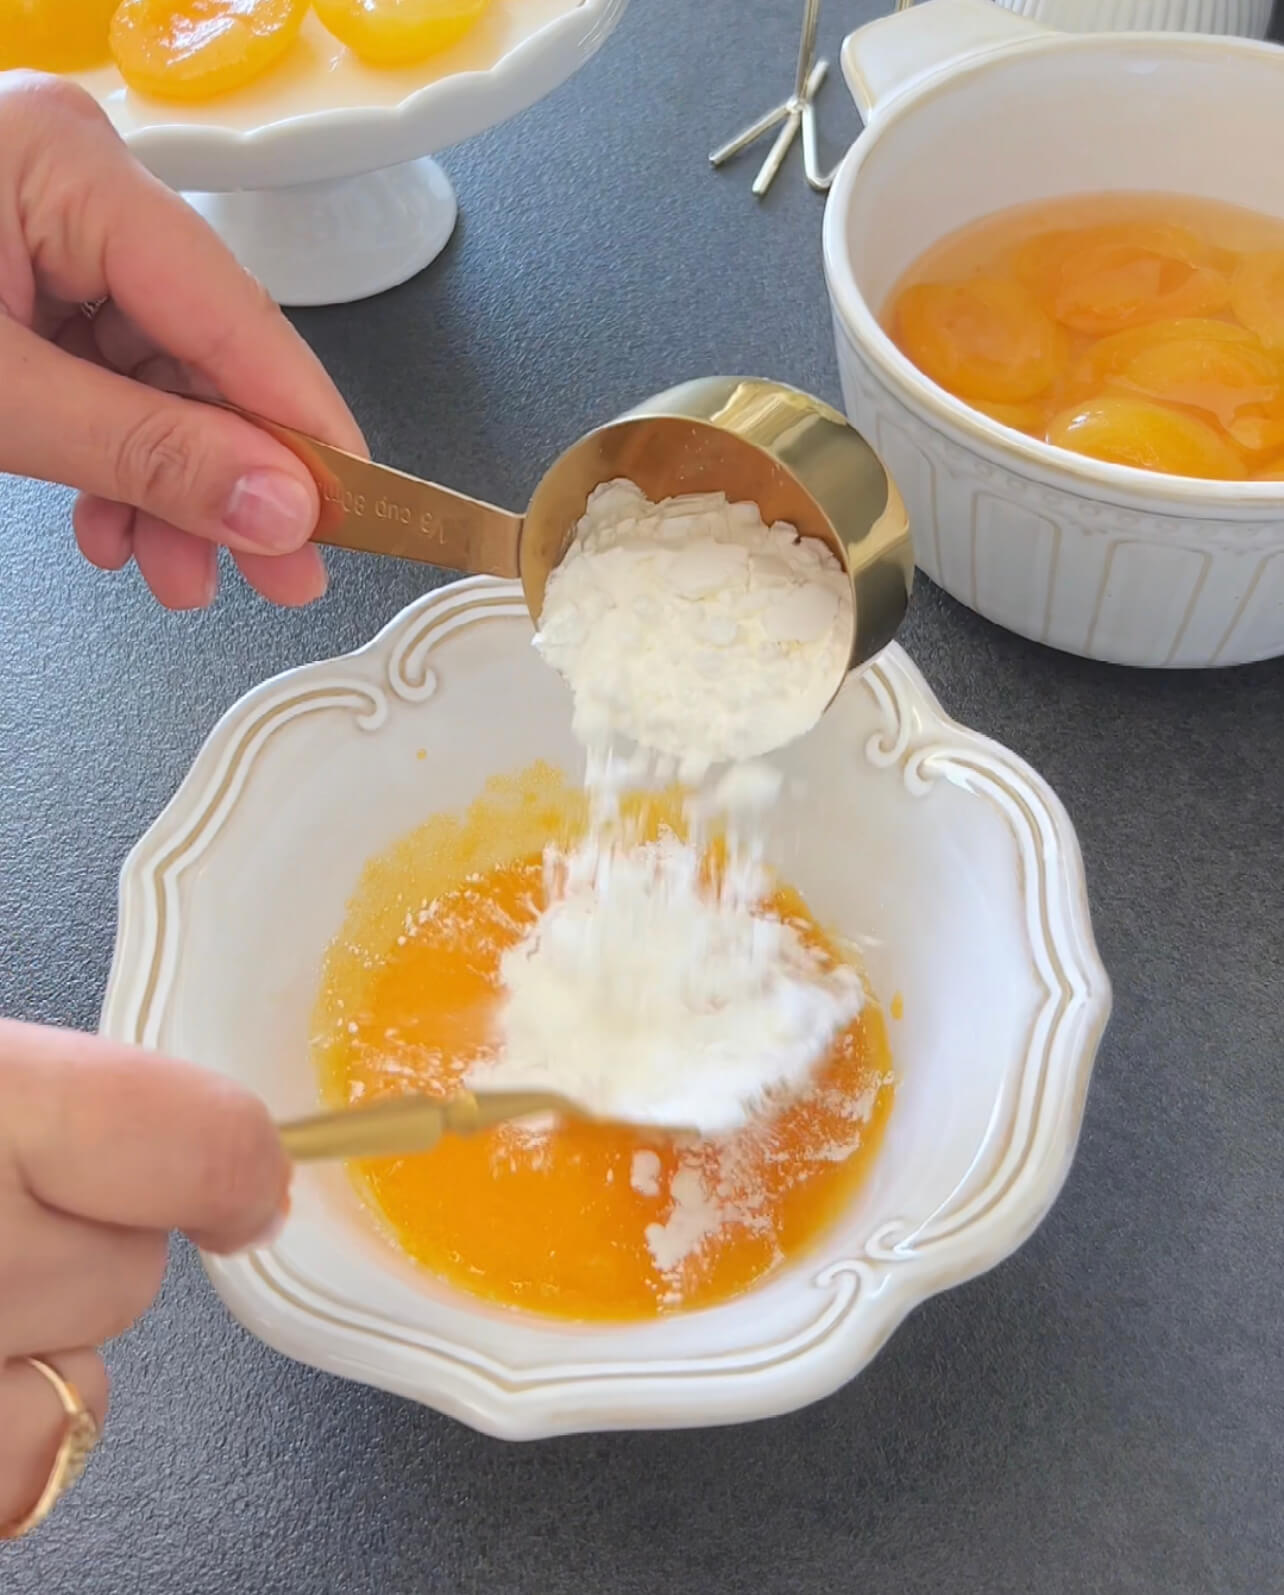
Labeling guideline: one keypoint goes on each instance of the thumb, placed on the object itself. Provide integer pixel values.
(191, 465)
(118, 1136)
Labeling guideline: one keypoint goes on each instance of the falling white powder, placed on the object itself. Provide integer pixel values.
(694, 628)
(648, 995)
(647, 990)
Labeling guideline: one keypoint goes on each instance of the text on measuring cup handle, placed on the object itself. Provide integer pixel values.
(379, 507)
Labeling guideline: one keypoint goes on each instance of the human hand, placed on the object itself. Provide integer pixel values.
(104, 1150)
(161, 479)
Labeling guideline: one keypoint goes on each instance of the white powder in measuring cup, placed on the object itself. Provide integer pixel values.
(693, 627)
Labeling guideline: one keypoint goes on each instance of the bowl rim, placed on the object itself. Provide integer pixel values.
(1124, 485)
(897, 1267)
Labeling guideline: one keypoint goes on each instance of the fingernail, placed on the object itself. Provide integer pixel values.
(271, 510)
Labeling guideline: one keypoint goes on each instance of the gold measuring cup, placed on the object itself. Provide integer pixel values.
(797, 459)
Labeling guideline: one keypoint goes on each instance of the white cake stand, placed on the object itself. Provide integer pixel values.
(318, 177)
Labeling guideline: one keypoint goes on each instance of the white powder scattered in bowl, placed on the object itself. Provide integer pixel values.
(714, 1187)
(692, 1219)
(645, 1173)
(650, 996)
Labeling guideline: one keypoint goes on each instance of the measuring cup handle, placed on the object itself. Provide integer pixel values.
(375, 510)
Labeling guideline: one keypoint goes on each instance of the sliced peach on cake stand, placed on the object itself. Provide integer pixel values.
(304, 133)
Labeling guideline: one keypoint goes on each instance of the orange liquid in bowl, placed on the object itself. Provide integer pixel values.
(585, 1221)
(1143, 330)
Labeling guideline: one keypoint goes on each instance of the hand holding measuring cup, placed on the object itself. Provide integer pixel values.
(112, 289)
(792, 456)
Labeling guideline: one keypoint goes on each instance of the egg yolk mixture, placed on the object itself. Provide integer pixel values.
(1145, 330)
(577, 1220)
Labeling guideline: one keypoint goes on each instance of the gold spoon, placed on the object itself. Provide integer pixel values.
(399, 1126)
(794, 457)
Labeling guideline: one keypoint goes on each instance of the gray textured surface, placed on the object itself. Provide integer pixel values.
(1104, 1413)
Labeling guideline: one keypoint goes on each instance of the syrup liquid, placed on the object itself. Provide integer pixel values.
(1142, 329)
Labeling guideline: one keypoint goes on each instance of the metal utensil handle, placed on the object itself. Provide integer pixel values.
(373, 509)
(806, 47)
(384, 1129)
(400, 1126)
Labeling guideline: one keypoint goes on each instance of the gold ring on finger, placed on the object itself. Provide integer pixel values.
(78, 1441)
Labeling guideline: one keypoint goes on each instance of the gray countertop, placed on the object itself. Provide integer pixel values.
(1105, 1412)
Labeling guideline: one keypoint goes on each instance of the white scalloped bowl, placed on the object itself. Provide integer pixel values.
(971, 109)
(947, 858)
(317, 175)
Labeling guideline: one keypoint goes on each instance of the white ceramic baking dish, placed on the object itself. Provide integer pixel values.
(1251, 19)
(969, 110)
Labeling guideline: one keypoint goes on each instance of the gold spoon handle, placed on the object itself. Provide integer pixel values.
(375, 510)
(400, 1126)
